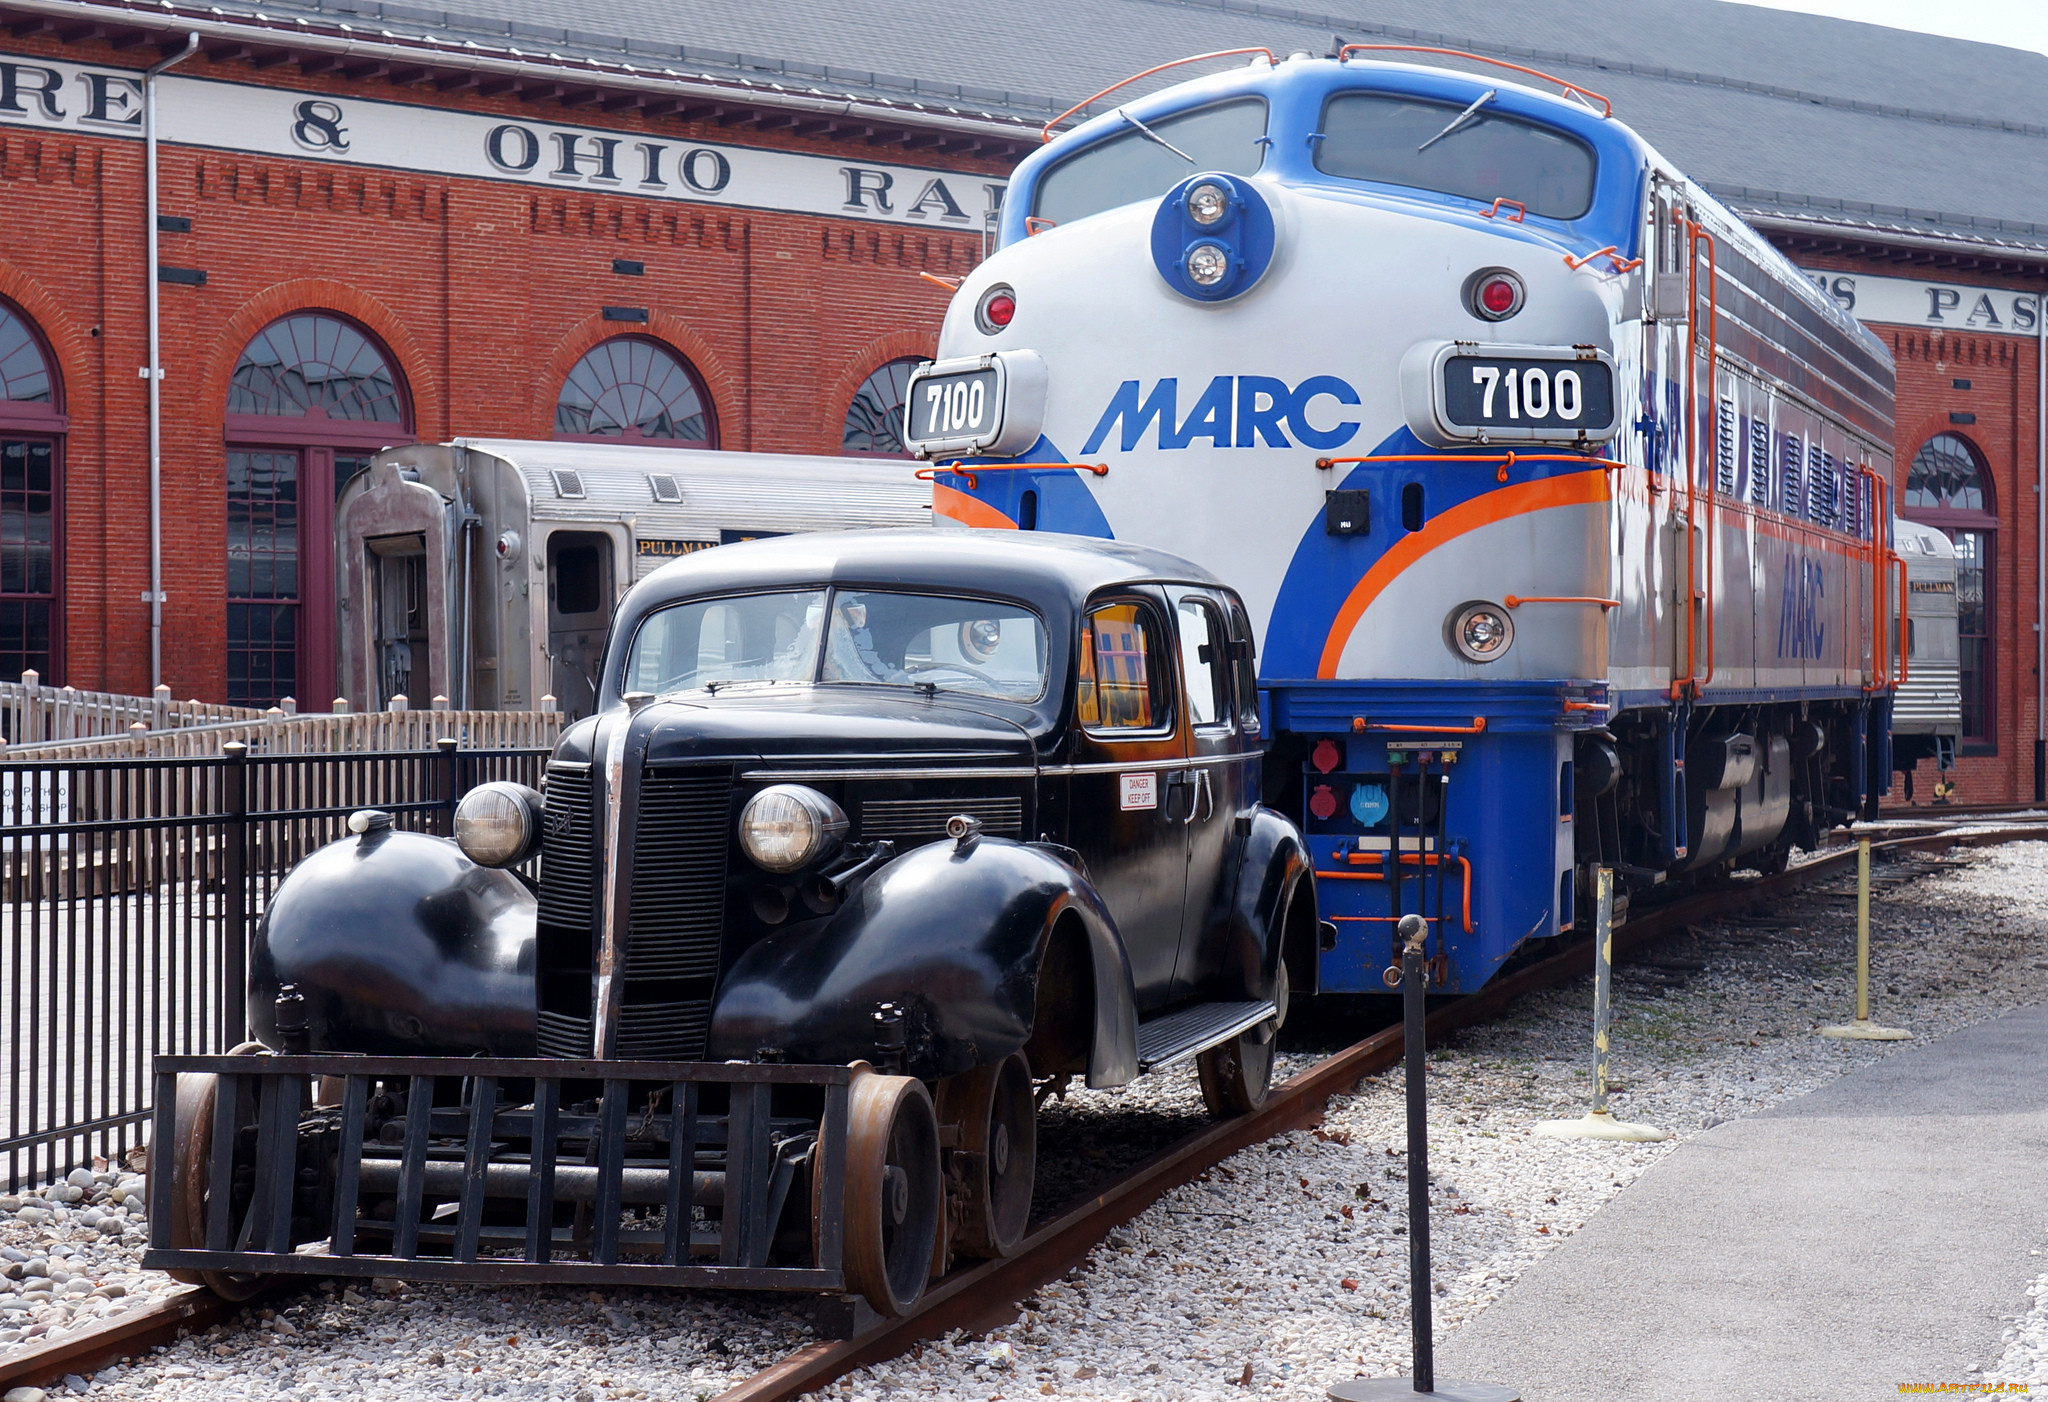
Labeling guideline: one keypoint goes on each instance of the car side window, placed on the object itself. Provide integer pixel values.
(1203, 658)
(1245, 666)
(1121, 682)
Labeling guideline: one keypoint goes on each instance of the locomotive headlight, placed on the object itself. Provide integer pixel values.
(1207, 204)
(1213, 237)
(1481, 632)
(787, 827)
(498, 825)
(1207, 265)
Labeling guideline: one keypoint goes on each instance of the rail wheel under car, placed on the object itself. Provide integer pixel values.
(187, 1157)
(894, 1190)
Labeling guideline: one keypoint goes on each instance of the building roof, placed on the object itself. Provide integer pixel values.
(1803, 123)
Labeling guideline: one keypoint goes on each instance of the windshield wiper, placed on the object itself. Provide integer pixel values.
(1461, 119)
(1153, 136)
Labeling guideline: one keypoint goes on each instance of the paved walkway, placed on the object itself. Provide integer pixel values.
(1874, 1232)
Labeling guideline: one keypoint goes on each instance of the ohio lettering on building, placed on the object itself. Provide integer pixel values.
(353, 254)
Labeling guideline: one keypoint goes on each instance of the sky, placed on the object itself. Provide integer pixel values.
(2019, 24)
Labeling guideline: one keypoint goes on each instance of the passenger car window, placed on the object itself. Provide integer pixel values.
(708, 642)
(1381, 136)
(1120, 686)
(1202, 657)
(1130, 166)
(975, 646)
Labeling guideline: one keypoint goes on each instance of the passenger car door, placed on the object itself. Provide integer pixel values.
(1127, 800)
(1222, 783)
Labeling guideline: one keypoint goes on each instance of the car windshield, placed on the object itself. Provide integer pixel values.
(1134, 165)
(977, 646)
(716, 642)
(1422, 144)
(934, 642)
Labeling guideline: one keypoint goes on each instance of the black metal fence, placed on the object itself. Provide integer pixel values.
(129, 889)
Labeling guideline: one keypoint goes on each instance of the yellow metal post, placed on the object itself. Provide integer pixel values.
(1598, 1123)
(1863, 1029)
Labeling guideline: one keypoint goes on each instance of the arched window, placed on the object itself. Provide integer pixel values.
(312, 397)
(1947, 487)
(874, 421)
(635, 390)
(32, 425)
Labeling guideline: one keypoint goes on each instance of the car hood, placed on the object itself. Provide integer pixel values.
(804, 724)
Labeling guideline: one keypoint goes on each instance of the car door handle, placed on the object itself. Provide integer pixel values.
(1199, 779)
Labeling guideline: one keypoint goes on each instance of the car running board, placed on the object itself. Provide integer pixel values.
(1169, 1040)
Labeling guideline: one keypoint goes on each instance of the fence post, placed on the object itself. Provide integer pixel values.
(235, 955)
(451, 780)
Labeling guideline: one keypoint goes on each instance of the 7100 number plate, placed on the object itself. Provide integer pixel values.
(1489, 392)
(954, 406)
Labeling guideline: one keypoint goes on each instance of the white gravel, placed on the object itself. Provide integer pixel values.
(1287, 1264)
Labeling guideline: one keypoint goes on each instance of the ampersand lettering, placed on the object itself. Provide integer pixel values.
(319, 126)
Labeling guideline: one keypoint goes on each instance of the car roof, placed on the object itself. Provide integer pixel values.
(1031, 565)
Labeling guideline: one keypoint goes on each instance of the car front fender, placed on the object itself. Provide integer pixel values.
(952, 935)
(401, 946)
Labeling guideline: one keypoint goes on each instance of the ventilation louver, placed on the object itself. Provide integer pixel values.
(665, 487)
(568, 485)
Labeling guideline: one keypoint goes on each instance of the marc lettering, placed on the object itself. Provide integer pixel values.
(1233, 411)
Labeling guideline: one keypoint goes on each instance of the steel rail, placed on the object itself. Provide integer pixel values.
(985, 1296)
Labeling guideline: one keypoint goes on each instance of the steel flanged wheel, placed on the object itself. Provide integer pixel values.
(188, 1159)
(998, 1118)
(894, 1192)
(1237, 1074)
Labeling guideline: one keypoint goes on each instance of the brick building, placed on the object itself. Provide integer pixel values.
(381, 223)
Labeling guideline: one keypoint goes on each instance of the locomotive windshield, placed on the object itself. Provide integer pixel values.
(1399, 140)
(1144, 161)
(927, 641)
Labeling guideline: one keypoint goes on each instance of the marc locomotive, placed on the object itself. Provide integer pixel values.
(1559, 498)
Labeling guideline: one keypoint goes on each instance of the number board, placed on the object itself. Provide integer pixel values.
(967, 405)
(1509, 392)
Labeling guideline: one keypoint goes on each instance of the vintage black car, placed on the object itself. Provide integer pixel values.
(877, 839)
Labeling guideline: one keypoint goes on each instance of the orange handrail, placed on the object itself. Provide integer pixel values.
(1606, 107)
(1611, 253)
(1521, 210)
(951, 284)
(1046, 135)
(931, 474)
(1905, 601)
(1506, 460)
(1880, 608)
(1359, 725)
(1515, 601)
(1696, 237)
(1407, 859)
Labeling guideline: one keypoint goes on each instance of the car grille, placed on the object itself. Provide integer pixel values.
(924, 819)
(679, 874)
(677, 909)
(568, 860)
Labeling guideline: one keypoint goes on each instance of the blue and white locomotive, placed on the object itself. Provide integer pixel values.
(1559, 498)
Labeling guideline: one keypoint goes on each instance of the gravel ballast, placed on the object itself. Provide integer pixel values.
(1283, 1270)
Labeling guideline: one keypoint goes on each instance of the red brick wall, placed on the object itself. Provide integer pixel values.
(483, 293)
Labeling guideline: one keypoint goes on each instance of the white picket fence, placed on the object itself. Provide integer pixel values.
(34, 714)
(62, 723)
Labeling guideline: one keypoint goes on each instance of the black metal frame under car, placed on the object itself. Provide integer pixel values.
(876, 840)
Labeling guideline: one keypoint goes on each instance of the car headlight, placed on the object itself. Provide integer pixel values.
(786, 827)
(498, 825)
(1481, 632)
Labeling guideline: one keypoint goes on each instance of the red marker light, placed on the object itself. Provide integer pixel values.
(998, 306)
(1494, 294)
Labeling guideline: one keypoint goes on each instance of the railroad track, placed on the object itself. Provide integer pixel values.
(985, 1295)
